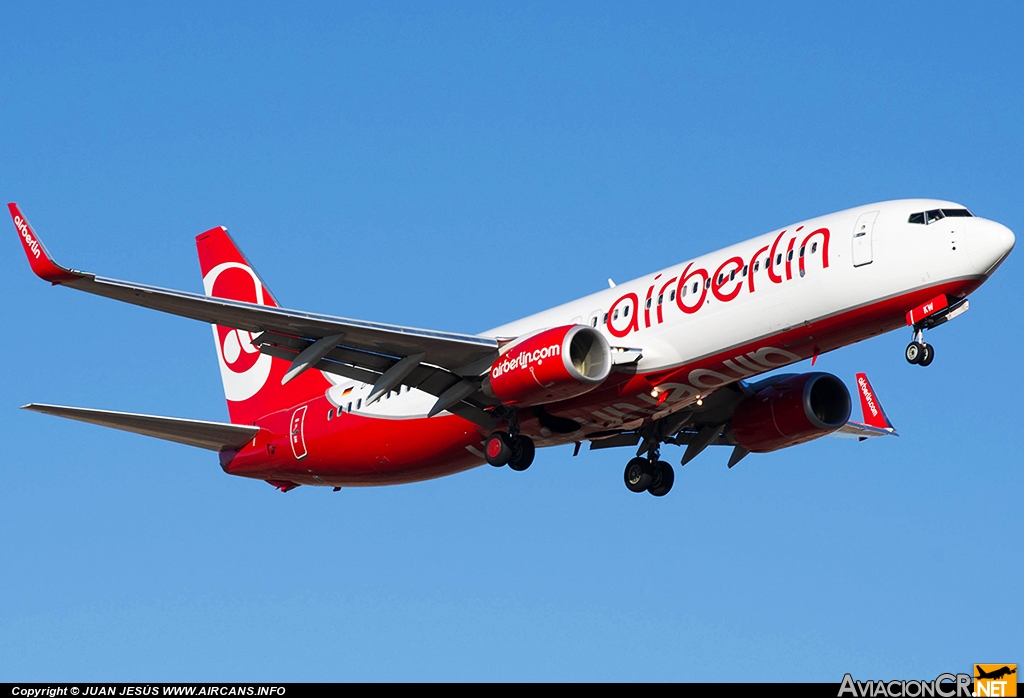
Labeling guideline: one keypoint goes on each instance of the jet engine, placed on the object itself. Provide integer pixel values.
(792, 411)
(552, 365)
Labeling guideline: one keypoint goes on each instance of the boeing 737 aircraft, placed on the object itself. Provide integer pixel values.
(672, 357)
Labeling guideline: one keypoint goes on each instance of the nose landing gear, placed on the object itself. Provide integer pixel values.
(918, 351)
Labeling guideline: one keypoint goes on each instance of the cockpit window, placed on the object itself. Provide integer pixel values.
(937, 214)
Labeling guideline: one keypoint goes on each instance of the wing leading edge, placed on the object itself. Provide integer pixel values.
(461, 354)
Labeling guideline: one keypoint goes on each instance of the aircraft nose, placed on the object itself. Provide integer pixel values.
(988, 244)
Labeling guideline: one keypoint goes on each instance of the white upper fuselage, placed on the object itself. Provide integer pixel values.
(874, 253)
(897, 257)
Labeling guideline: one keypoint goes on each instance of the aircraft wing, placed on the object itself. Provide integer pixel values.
(709, 425)
(859, 430)
(214, 436)
(372, 347)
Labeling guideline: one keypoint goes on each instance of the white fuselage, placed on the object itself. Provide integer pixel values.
(873, 254)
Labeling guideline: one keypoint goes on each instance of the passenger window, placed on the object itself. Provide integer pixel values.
(330, 415)
(744, 270)
(593, 321)
(757, 266)
(789, 256)
(616, 315)
(802, 251)
(778, 259)
(732, 275)
(648, 303)
(661, 298)
(685, 288)
(672, 295)
(695, 285)
(359, 404)
(349, 407)
(625, 311)
(814, 247)
(606, 318)
(707, 284)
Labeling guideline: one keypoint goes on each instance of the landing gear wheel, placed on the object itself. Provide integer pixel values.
(664, 476)
(639, 475)
(927, 356)
(914, 352)
(523, 454)
(498, 449)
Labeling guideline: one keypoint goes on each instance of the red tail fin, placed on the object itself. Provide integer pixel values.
(252, 381)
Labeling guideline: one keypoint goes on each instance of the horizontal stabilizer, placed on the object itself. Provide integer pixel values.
(215, 436)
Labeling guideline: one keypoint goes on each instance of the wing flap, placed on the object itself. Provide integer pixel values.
(213, 436)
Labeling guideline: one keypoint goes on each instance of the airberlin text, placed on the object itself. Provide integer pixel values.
(30, 242)
(524, 359)
(699, 381)
(726, 284)
(943, 686)
(869, 397)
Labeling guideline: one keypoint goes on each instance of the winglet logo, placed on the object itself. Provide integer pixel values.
(995, 680)
(30, 242)
(869, 397)
(243, 369)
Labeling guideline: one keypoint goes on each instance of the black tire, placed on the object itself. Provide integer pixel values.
(639, 475)
(498, 449)
(913, 352)
(523, 455)
(664, 477)
(927, 356)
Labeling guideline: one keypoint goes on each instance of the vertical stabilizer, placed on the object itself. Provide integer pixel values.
(252, 381)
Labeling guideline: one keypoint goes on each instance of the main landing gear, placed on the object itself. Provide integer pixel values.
(509, 447)
(918, 351)
(649, 474)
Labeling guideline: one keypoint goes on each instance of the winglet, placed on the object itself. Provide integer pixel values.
(870, 405)
(38, 258)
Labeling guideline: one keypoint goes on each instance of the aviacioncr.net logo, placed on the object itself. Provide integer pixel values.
(243, 369)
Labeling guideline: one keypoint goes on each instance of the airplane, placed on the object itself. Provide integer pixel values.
(673, 357)
(995, 674)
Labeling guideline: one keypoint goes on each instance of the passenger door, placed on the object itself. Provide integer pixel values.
(862, 234)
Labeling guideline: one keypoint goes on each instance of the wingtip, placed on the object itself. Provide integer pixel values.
(38, 258)
(871, 407)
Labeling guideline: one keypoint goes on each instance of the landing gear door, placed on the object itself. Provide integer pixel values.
(296, 435)
(862, 234)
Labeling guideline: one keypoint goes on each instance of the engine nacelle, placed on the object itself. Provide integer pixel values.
(552, 365)
(795, 410)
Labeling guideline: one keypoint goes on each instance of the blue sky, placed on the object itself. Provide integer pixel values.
(456, 166)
